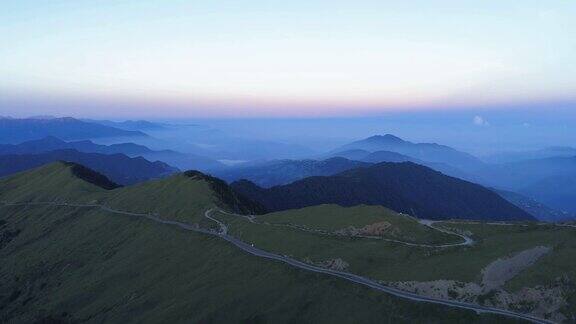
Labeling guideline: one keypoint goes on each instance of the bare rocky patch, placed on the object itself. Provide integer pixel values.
(544, 301)
(497, 273)
(333, 264)
(376, 229)
(541, 301)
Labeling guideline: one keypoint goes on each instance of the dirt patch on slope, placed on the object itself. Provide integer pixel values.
(376, 229)
(498, 272)
(334, 264)
(541, 301)
(544, 301)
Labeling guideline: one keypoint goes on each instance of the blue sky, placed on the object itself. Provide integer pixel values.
(283, 58)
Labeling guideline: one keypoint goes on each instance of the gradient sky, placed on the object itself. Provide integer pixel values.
(282, 58)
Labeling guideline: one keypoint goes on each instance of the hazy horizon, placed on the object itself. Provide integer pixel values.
(481, 77)
(178, 59)
(478, 132)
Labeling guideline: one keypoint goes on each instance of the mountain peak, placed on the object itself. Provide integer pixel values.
(385, 137)
(57, 181)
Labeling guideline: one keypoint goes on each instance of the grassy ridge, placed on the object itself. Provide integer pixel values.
(333, 218)
(53, 182)
(183, 197)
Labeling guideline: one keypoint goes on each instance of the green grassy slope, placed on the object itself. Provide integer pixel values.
(333, 218)
(374, 258)
(184, 197)
(390, 261)
(546, 288)
(84, 265)
(57, 181)
(66, 264)
(497, 240)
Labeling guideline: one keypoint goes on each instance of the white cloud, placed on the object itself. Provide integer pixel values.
(480, 121)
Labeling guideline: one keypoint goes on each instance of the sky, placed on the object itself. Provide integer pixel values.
(300, 58)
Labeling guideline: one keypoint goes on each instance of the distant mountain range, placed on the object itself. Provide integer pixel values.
(546, 175)
(131, 125)
(526, 173)
(429, 152)
(556, 191)
(535, 208)
(403, 187)
(551, 181)
(20, 130)
(50, 143)
(119, 168)
(388, 156)
(278, 172)
(549, 152)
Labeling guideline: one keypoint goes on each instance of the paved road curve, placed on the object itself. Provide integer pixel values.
(305, 266)
(466, 240)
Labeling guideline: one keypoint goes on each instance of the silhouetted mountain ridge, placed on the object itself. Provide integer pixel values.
(430, 152)
(50, 143)
(118, 167)
(19, 130)
(404, 187)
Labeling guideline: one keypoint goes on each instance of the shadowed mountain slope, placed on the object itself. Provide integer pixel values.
(403, 187)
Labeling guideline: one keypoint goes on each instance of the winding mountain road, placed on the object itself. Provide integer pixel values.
(429, 223)
(298, 264)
